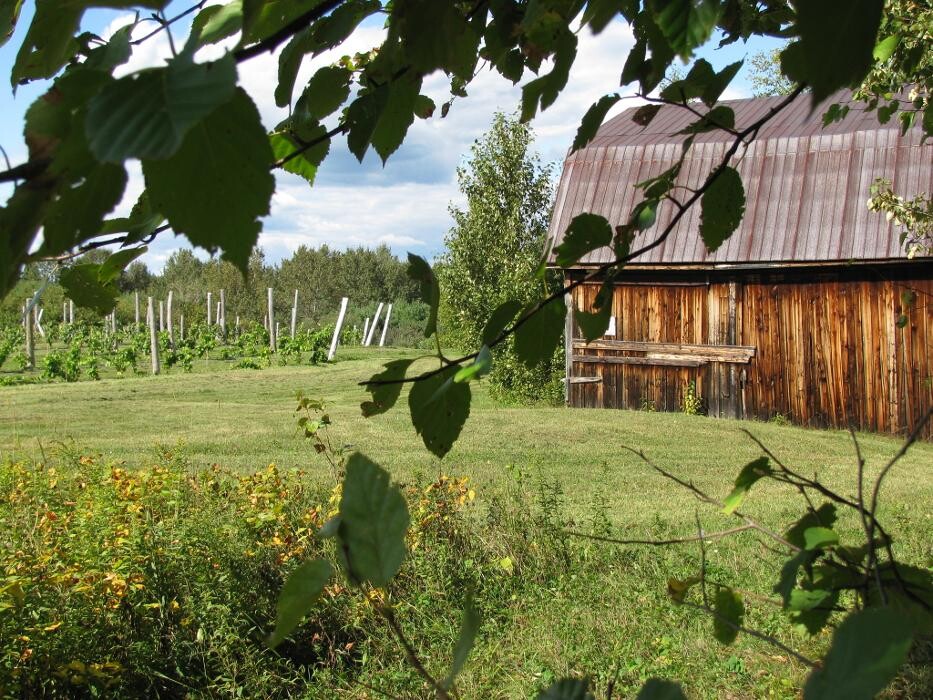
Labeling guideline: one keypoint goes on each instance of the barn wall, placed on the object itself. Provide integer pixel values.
(828, 349)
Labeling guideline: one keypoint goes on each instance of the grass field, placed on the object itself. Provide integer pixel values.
(572, 461)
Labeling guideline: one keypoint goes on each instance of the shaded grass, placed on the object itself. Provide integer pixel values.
(604, 617)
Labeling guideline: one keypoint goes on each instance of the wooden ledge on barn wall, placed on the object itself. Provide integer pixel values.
(663, 354)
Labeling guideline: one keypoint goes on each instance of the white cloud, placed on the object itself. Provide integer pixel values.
(405, 204)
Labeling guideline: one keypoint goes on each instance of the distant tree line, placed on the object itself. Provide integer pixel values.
(321, 275)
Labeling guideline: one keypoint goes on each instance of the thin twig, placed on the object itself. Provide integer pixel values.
(271, 42)
(661, 543)
(165, 23)
(754, 633)
(706, 498)
(866, 521)
(702, 543)
(389, 616)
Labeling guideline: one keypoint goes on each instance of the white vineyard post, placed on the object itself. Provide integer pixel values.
(372, 326)
(385, 326)
(337, 328)
(153, 337)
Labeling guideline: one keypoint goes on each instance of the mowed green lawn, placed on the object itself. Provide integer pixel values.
(245, 419)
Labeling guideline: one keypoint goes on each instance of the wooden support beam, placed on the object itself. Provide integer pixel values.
(663, 362)
(741, 354)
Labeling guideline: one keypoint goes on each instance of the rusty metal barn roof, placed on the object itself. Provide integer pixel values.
(806, 186)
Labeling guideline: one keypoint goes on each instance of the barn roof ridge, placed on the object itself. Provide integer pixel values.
(806, 184)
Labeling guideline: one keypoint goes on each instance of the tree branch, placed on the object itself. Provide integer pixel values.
(602, 269)
(271, 42)
(661, 543)
(165, 23)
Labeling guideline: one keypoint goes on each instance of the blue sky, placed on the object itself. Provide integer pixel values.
(404, 204)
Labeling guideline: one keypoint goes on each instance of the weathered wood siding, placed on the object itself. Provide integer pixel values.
(829, 351)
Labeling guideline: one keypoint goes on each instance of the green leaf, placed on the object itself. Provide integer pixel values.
(729, 609)
(373, 522)
(420, 271)
(867, 650)
(115, 52)
(807, 598)
(479, 368)
(751, 472)
(397, 115)
(436, 35)
(720, 117)
(659, 689)
(304, 164)
(333, 30)
(645, 214)
(214, 189)
(721, 208)
(885, 48)
(9, 14)
(262, 18)
(111, 269)
(713, 89)
(788, 579)
(439, 408)
(384, 396)
(824, 516)
(812, 621)
(677, 589)
(537, 338)
(819, 538)
(217, 22)
(82, 284)
(837, 38)
(586, 233)
(469, 626)
(328, 88)
(567, 689)
(49, 44)
(501, 316)
(645, 114)
(141, 222)
(148, 114)
(592, 120)
(78, 213)
(543, 91)
(686, 24)
(594, 324)
(301, 590)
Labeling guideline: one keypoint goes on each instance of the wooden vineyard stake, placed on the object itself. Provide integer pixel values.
(136, 307)
(294, 314)
(168, 312)
(271, 314)
(337, 327)
(30, 345)
(365, 331)
(209, 295)
(153, 337)
(222, 314)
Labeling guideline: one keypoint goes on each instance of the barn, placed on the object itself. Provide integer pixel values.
(811, 311)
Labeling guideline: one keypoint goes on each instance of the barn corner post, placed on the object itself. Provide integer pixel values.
(568, 340)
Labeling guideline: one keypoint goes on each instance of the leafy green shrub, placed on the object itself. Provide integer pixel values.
(692, 404)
